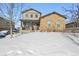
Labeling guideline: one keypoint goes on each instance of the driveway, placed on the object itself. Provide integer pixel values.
(39, 44)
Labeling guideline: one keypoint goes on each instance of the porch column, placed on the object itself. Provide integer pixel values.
(20, 30)
(22, 25)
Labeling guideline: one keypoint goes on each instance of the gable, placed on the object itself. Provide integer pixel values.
(53, 13)
(31, 11)
(31, 14)
(53, 17)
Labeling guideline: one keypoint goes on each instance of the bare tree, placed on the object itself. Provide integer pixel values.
(74, 12)
(10, 11)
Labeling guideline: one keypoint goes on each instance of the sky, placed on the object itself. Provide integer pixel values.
(45, 8)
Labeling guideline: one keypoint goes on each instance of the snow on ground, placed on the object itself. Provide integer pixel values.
(73, 36)
(38, 44)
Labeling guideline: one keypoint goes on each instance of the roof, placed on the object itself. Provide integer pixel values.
(70, 23)
(3, 19)
(30, 9)
(54, 13)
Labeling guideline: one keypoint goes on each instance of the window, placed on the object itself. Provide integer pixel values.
(31, 16)
(58, 23)
(49, 23)
(26, 15)
(36, 16)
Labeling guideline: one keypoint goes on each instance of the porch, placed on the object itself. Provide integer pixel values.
(30, 25)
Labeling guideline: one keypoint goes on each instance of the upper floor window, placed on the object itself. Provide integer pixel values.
(26, 15)
(31, 16)
(36, 16)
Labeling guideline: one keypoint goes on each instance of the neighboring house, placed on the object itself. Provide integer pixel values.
(4, 24)
(72, 26)
(52, 22)
(30, 19)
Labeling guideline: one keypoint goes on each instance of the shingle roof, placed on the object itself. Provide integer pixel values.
(54, 13)
(3, 19)
(30, 9)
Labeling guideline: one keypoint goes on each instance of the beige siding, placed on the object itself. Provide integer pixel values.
(30, 12)
(53, 18)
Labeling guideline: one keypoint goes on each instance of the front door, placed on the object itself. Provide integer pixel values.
(35, 27)
(27, 26)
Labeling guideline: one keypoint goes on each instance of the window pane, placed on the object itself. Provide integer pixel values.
(26, 15)
(36, 16)
(58, 23)
(31, 16)
(49, 23)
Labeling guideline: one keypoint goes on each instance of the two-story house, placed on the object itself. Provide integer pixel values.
(30, 20)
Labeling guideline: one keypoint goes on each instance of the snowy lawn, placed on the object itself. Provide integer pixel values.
(73, 36)
(39, 44)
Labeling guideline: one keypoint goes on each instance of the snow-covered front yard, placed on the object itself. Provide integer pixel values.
(38, 44)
